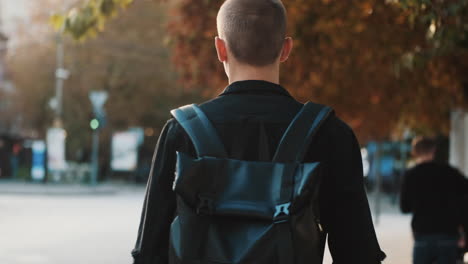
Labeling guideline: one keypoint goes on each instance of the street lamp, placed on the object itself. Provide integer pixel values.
(56, 135)
(61, 74)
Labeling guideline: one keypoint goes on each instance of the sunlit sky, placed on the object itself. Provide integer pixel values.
(12, 11)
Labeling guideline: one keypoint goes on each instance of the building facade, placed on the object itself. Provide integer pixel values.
(459, 141)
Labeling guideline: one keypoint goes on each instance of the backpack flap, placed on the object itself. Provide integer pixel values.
(303, 178)
(306, 183)
(226, 187)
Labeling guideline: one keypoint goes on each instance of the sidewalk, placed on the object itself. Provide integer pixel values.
(28, 188)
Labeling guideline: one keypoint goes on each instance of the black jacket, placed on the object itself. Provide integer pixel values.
(242, 114)
(434, 193)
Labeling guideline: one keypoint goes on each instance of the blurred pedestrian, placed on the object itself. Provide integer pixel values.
(433, 192)
(2, 147)
(244, 126)
(14, 158)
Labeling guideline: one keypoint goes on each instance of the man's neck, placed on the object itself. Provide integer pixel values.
(247, 72)
(425, 159)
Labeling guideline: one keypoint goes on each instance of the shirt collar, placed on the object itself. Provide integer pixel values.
(255, 87)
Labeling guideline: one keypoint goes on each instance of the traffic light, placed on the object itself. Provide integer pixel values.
(97, 122)
(94, 124)
(98, 99)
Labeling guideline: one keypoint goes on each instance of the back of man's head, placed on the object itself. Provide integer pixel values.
(253, 29)
(423, 146)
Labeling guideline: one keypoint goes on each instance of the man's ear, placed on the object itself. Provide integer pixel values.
(221, 49)
(287, 48)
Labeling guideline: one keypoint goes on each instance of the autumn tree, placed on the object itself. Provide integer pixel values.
(354, 57)
(360, 57)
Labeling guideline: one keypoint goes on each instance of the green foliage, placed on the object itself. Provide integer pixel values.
(446, 22)
(90, 18)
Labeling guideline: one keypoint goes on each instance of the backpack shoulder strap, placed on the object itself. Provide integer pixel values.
(204, 137)
(298, 136)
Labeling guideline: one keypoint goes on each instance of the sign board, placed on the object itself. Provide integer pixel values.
(56, 149)
(140, 132)
(125, 151)
(38, 160)
(62, 73)
(98, 99)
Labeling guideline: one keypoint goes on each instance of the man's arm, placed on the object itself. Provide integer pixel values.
(405, 194)
(346, 213)
(461, 182)
(159, 204)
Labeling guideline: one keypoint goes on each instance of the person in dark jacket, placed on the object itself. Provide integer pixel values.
(433, 192)
(256, 109)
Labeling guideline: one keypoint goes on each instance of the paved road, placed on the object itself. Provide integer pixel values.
(72, 230)
(101, 229)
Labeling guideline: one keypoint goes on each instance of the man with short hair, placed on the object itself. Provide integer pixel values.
(433, 192)
(250, 117)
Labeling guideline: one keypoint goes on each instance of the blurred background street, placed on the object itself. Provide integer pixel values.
(86, 87)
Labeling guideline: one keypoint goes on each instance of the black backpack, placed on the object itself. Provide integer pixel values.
(245, 212)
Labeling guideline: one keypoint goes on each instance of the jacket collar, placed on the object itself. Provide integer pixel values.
(255, 87)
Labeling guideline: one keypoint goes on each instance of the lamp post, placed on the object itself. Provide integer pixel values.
(56, 135)
(61, 74)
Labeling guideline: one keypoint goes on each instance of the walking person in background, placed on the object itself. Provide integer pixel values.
(14, 158)
(2, 150)
(433, 192)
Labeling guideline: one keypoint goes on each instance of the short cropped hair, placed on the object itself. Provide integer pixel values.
(423, 145)
(253, 29)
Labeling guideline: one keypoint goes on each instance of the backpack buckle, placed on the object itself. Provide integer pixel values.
(205, 205)
(281, 213)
